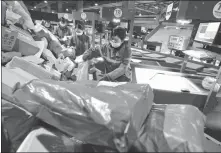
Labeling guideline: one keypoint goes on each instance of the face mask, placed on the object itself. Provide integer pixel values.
(79, 33)
(115, 45)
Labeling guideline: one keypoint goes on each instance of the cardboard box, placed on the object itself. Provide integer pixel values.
(13, 40)
(8, 39)
(26, 47)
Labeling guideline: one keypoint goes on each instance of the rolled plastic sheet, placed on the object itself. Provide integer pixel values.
(17, 122)
(172, 128)
(86, 110)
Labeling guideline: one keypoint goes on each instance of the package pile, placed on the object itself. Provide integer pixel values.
(32, 51)
(41, 113)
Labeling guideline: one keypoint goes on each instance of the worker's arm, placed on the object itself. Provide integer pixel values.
(93, 53)
(55, 33)
(121, 70)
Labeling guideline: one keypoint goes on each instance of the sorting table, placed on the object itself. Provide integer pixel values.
(172, 87)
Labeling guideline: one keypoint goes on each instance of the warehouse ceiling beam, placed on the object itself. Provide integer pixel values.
(105, 5)
(137, 8)
(43, 4)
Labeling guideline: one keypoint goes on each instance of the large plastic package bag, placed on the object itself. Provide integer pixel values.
(53, 43)
(17, 122)
(33, 69)
(87, 111)
(48, 139)
(172, 128)
(16, 7)
(10, 78)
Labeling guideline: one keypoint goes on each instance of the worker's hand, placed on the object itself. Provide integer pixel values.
(97, 47)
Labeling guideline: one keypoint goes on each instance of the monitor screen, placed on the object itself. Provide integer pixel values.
(207, 32)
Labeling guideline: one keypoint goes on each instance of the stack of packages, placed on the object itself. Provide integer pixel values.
(31, 52)
(43, 114)
(28, 53)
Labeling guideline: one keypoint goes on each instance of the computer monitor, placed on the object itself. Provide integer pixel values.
(207, 32)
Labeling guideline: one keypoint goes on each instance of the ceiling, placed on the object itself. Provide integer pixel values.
(147, 7)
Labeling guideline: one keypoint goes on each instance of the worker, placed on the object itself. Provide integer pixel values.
(79, 40)
(116, 57)
(63, 32)
(47, 24)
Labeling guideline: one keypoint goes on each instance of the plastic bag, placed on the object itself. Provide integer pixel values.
(17, 122)
(86, 111)
(18, 8)
(208, 82)
(82, 71)
(172, 128)
(63, 65)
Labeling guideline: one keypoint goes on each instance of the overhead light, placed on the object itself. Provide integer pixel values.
(45, 1)
(52, 11)
(96, 4)
(66, 9)
(116, 20)
(32, 9)
(35, 7)
(183, 21)
(140, 14)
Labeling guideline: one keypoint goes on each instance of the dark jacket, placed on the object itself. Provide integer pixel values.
(117, 60)
(61, 32)
(82, 43)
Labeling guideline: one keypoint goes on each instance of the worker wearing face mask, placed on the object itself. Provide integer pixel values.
(116, 57)
(63, 32)
(80, 41)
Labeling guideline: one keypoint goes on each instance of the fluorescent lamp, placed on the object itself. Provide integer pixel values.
(183, 21)
(116, 20)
